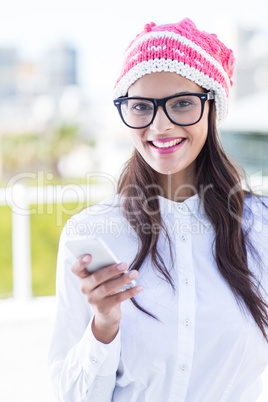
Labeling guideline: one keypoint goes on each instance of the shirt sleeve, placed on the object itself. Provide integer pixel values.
(81, 367)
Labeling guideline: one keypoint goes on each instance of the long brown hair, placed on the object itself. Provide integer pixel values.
(138, 189)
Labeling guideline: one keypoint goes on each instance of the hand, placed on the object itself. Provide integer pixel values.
(101, 290)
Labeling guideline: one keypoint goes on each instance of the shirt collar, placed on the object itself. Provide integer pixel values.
(191, 206)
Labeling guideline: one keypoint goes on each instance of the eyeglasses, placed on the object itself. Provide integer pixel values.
(184, 109)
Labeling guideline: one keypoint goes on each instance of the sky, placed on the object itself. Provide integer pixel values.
(101, 30)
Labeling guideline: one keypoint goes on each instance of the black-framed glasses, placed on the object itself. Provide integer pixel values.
(183, 110)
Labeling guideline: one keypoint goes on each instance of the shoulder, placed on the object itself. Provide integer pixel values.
(255, 221)
(255, 225)
(109, 207)
(256, 208)
(104, 218)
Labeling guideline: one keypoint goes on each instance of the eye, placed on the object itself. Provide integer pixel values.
(182, 103)
(141, 107)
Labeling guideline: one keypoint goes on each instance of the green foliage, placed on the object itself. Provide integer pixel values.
(30, 152)
(5, 253)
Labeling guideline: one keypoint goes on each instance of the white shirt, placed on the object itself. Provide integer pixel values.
(202, 349)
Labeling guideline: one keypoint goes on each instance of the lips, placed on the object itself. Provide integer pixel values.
(166, 145)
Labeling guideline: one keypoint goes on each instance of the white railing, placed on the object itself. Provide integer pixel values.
(20, 198)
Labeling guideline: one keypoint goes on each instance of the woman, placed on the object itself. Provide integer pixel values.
(195, 326)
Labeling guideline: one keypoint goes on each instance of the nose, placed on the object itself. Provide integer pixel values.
(161, 122)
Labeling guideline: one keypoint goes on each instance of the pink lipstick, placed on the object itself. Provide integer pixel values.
(168, 149)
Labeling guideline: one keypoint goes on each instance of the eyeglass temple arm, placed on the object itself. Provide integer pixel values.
(211, 95)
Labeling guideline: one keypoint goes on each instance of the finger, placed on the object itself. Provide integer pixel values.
(117, 284)
(111, 286)
(98, 280)
(79, 266)
(104, 274)
(112, 301)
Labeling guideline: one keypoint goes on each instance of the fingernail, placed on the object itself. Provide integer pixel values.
(122, 266)
(86, 258)
(139, 287)
(132, 274)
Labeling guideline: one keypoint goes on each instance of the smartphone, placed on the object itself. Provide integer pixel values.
(102, 255)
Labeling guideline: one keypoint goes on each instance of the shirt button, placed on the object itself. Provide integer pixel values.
(180, 208)
(187, 323)
(186, 281)
(183, 237)
(184, 367)
(94, 360)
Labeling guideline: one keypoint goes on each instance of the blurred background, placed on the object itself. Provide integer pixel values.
(62, 145)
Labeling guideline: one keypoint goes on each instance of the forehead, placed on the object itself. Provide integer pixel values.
(160, 85)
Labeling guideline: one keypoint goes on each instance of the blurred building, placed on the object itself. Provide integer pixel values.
(34, 93)
(251, 73)
(30, 80)
(61, 67)
(245, 133)
(8, 72)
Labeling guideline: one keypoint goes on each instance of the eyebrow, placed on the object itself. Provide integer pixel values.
(175, 94)
(188, 92)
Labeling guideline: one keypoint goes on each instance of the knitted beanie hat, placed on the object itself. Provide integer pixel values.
(183, 49)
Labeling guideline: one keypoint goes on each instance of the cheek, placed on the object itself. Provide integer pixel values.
(204, 131)
(198, 134)
(202, 138)
(136, 137)
(203, 128)
(204, 120)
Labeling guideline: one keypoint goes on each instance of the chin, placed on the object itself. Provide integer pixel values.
(167, 170)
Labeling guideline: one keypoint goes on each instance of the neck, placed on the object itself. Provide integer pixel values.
(177, 187)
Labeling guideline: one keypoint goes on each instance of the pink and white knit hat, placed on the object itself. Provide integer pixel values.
(181, 48)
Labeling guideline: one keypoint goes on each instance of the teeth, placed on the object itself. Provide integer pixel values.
(167, 144)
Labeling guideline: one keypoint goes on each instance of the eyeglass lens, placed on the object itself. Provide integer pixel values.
(184, 110)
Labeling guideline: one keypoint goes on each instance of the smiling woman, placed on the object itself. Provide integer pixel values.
(195, 327)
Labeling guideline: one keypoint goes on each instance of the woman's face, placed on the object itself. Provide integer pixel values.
(178, 159)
